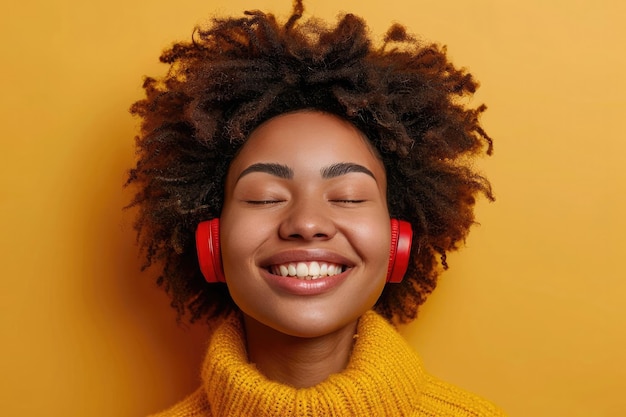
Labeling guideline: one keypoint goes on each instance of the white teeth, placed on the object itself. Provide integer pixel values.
(307, 271)
(282, 269)
(302, 270)
(314, 269)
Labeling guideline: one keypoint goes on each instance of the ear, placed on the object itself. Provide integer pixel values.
(400, 252)
(209, 253)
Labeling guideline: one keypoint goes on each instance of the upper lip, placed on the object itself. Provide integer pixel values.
(305, 255)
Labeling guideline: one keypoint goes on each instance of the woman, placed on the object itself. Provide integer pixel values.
(303, 188)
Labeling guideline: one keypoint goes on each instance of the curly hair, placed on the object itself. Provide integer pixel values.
(405, 96)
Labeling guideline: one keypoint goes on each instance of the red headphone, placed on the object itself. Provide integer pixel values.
(210, 256)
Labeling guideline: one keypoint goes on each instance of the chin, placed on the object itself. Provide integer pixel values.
(312, 323)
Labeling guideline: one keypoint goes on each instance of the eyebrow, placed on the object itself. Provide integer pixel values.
(277, 170)
(283, 171)
(343, 168)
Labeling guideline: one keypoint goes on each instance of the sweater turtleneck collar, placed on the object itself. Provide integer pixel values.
(384, 377)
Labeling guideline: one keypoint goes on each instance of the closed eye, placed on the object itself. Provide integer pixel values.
(263, 202)
(347, 201)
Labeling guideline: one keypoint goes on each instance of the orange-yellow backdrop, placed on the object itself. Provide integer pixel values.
(531, 314)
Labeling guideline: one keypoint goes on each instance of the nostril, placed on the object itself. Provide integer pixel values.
(314, 236)
(300, 228)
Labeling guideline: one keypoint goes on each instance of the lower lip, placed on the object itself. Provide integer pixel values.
(297, 286)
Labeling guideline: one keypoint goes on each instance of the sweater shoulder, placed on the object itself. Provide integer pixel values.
(443, 399)
(195, 405)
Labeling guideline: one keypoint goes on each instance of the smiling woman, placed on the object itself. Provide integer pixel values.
(319, 172)
(340, 221)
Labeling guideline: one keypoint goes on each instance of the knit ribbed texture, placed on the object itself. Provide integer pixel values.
(383, 378)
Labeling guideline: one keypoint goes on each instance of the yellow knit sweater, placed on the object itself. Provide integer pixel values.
(384, 377)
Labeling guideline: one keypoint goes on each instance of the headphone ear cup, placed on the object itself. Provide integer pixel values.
(400, 252)
(209, 253)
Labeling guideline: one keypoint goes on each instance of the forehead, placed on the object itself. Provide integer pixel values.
(307, 138)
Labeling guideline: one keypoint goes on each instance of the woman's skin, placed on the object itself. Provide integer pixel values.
(306, 187)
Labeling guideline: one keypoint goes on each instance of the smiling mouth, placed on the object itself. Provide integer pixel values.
(307, 270)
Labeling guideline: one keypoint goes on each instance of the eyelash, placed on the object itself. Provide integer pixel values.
(263, 202)
(347, 201)
(267, 202)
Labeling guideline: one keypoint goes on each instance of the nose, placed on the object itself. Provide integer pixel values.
(307, 220)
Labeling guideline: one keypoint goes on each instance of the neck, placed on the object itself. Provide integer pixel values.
(298, 361)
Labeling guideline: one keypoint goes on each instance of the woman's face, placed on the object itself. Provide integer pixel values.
(305, 229)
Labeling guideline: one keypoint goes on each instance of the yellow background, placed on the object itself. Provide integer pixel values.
(531, 313)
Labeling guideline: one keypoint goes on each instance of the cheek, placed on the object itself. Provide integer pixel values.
(371, 238)
(237, 258)
(236, 237)
(242, 234)
(382, 246)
